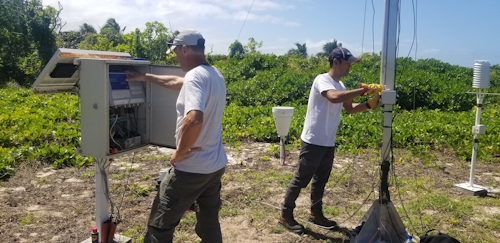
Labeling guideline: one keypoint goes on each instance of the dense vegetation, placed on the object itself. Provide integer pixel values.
(433, 111)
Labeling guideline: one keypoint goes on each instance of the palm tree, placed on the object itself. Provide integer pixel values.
(112, 24)
(87, 29)
(111, 30)
(329, 46)
(236, 50)
(301, 50)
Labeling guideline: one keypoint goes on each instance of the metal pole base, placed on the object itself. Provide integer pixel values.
(476, 190)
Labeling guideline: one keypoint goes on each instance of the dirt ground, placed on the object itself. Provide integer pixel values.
(41, 204)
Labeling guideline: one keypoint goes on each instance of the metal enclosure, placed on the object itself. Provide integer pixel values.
(88, 74)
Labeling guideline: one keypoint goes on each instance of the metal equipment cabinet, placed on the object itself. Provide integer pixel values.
(144, 113)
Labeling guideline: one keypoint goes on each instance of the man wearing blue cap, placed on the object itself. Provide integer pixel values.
(200, 159)
(317, 147)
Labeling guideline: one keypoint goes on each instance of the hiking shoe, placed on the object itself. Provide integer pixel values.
(319, 219)
(291, 224)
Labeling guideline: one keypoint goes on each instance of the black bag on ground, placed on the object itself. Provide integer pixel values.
(439, 238)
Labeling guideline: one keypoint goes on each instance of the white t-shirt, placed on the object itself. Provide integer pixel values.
(204, 90)
(322, 116)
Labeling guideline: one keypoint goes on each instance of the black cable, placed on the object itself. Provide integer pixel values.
(363, 38)
(245, 20)
(126, 185)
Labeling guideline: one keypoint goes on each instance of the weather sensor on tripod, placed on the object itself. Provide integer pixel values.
(480, 82)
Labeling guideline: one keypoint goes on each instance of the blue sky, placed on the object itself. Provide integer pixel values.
(454, 31)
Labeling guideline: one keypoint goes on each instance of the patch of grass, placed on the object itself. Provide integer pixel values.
(264, 158)
(331, 210)
(493, 224)
(163, 157)
(28, 219)
(421, 184)
(129, 170)
(444, 203)
(186, 235)
(261, 216)
(113, 188)
(350, 208)
(189, 220)
(146, 177)
(88, 175)
(473, 234)
(236, 145)
(339, 178)
(117, 176)
(277, 229)
(139, 190)
(269, 176)
(136, 232)
(274, 149)
(229, 212)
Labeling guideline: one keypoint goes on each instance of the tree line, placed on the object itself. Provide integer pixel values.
(31, 33)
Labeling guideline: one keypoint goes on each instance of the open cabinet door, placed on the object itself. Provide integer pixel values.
(163, 113)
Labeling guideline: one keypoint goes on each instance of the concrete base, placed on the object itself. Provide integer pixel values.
(476, 190)
(117, 239)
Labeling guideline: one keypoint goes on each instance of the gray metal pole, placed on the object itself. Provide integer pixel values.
(388, 69)
(101, 201)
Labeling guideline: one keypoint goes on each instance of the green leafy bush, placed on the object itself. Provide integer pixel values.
(46, 127)
(432, 129)
(41, 127)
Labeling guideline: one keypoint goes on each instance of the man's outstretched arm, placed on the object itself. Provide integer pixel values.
(336, 96)
(167, 81)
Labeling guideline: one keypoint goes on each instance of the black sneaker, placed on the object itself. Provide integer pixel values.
(291, 224)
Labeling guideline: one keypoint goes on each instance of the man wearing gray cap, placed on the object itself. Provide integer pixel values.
(200, 159)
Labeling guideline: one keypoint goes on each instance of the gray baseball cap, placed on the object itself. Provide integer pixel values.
(187, 37)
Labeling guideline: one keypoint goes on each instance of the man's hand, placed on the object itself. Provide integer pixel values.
(372, 103)
(176, 157)
(371, 88)
(135, 76)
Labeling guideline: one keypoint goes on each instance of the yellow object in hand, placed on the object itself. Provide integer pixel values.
(372, 103)
(372, 88)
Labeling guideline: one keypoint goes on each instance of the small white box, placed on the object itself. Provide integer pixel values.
(479, 129)
(388, 97)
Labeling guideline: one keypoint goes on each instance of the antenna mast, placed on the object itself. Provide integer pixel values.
(382, 222)
(387, 75)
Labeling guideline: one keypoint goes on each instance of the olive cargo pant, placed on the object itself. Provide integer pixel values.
(177, 193)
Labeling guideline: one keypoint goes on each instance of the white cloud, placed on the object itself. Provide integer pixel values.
(314, 47)
(181, 14)
(318, 44)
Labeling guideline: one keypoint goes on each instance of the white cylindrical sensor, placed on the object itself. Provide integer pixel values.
(481, 78)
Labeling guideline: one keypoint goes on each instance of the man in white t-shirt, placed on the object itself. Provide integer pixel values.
(327, 97)
(200, 159)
